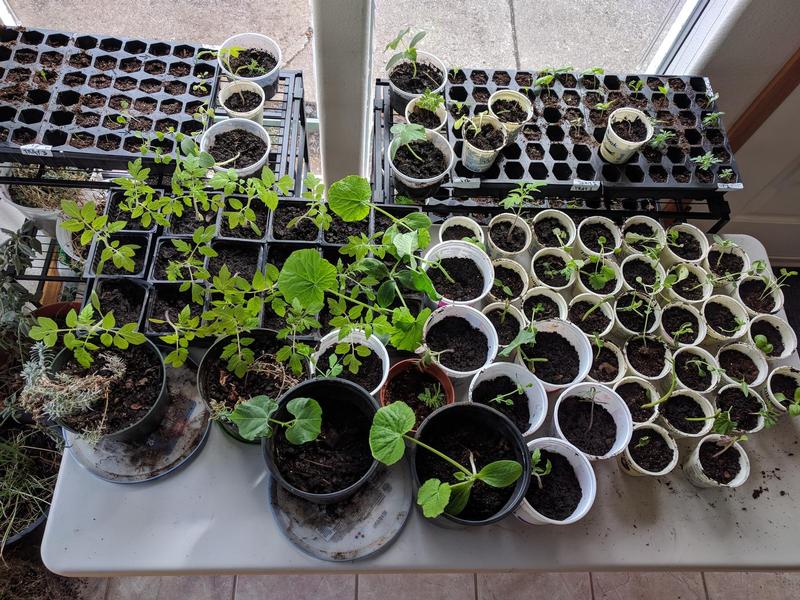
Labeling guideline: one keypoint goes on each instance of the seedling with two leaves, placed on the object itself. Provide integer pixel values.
(538, 470)
(255, 419)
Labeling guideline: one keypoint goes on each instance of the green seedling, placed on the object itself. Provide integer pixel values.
(409, 52)
(255, 419)
(762, 343)
(726, 175)
(507, 398)
(712, 119)
(432, 397)
(317, 211)
(387, 441)
(405, 133)
(430, 101)
(727, 442)
(685, 329)
(706, 161)
(664, 89)
(643, 441)
(793, 405)
(723, 425)
(517, 198)
(537, 470)
(593, 71)
(604, 106)
(636, 86)
(661, 139)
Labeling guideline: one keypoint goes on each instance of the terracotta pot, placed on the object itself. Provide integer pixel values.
(432, 370)
(56, 310)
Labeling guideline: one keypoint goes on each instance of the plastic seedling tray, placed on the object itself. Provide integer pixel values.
(263, 216)
(99, 81)
(115, 196)
(165, 241)
(143, 255)
(169, 292)
(297, 207)
(242, 248)
(132, 288)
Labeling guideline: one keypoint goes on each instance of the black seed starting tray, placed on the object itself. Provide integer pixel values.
(80, 100)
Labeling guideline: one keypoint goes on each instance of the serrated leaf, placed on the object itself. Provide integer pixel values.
(307, 420)
(350, 198)
(306, 276)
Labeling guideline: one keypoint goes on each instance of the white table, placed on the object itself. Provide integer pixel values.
(212, 517)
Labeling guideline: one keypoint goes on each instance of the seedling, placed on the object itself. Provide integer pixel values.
(593, 71)
(317, 211)
(432, 396)
(255, 419)
(662, 139)
(537, 470)
(685, 329)
(604, 106)
(507, 398)
(408, 53)
(793, 405)
(190, 269)
(636, 86)
(739, 324)
(773, 285)
(727, 442)
(602, 273)
(517, 198)
(591, 399)
(664, 89)
(712, 119)
(762, 343)
(387, 441)
(548, 75)
(723, 425)
(643, 441)
(703, 368)
(525, 337)
(726, 175)
(770, 416)
(406, 133)
(504, 288)
(430, 101)
(666, 395)
(595, 307)
(706, 161)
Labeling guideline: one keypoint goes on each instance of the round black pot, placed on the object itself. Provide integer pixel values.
(202, 372)
(150, 421)
(343, 391)
(484, 417)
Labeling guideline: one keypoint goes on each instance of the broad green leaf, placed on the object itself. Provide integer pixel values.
(500, 473)
(307, 420)
(306, 276)
(459, 496)
(389, 425)
(350, 198)
(386, 293)
(406, 243)
(433, 496)
(407, 334)
(252, 417)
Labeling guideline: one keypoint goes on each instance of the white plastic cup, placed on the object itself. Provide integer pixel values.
(669, 258)
(537, 398)
(268, 81)
(441, 113)
(706, 288)
(518, 269)
(776, 293)
(786, 332)
(400, 98)
(754, 354)
(621, 369)
(605, 308)
(578, 341)
(458, 249)
(566, 221)
(760, 422)
(229, 124)
(610, 247)
(547, 293)
(358, 337)
(422, 187)
(617, 150)
(512, 128)
(700, 334)
(608, 399)
(658, 232)
(471, 224)
(652, 394)
(631, 467)
(653, 320)
(584, 473)
(694, 469)
(477, 320)
(513, 313)
(475, 159)
(552, 252)
(705, 406)
(705, 356)
(519, 223)
(653, 379)
(660, 273)
(736, 250)
(581, 288)
(738, 310)
(243, 85)
(782, 370)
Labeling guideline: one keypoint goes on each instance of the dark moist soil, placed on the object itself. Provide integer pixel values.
(428, 77)
(639, 268)
(457, 232)
(689, 288)
(633, 130)
(509, 111)
(170, 302)
(772, 334)
(560, 493)
(138, 259)
(586, 280)
(738, 366)
(587, 425)
(510, 279)
(265, 60)
(469, 345)
(544, 229)
(518, 411)
(369, 373)
(457, 437)
(247, 147)
(488, 138)
(243, 102)
(427, 118)
(744, 409)
(467, 279)
(635, 396)
(720, 318)
(304, 230)
(642, 229)
(673, 318)
(337, 459)
(122, 298)
(499, 234)
(507, 329)
(595, 323)
(654, 455)
(549, 308)
(678, 409)
(605, 366)
(241, 260)
(632, 320)
(433, 162)
(188, 221)
(340, 231)
(247, 232)
(547, 264)
(129, 399)
(723, 468)
(407, 387)
(590, 235)
(689, 374)
(784, 384)
(686, 246)
(646, 355)
(752, 294)
(726, 263)
(167, 253)
(562, 362)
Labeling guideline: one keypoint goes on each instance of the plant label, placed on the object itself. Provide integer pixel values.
(729, 186)
(583, 185)
(466, 182)
(36, 150)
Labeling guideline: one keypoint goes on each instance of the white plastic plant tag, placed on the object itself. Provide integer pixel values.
(584, 185)
(36, 150)
(730, 186)
(466, 182)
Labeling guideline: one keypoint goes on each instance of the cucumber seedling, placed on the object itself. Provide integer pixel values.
(255, 419)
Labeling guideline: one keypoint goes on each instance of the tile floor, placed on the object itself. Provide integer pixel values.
(457, 586)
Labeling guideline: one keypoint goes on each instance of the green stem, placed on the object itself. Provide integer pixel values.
(439, 454)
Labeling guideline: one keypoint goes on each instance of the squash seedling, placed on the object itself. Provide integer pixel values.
(255, 419)
(793, 405)
(408, 53)
(406, 133)
(387, 441)
(762, 343)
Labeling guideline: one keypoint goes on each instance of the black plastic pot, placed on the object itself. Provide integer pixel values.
(484, 417)
(113, 198)
(133, 288)
(173, 289)
(284, 204)
(164, 240)
(150, 421)
(343, 391)
(236, 234)
(142, 240)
